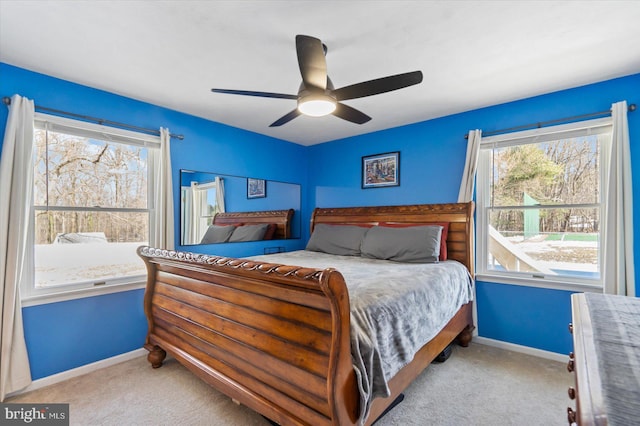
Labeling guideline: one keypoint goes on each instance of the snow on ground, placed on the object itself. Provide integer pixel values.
(58, 264)
(562, 255)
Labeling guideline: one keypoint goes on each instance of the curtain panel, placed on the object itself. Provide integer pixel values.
(619, 272)
(220, 194)
(470, 166)
(16, 248)
(163, 226)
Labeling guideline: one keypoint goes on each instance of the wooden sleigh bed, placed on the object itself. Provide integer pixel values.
(276, 337)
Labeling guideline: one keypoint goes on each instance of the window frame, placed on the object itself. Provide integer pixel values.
(30, 295)
(483, 201)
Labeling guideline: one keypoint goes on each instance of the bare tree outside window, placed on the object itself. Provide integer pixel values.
(91, 209)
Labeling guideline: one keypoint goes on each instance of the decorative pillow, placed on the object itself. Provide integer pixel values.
(417, 244)
(443, 237)
(217, 234)
(343, 240)
(271, 231)
(249, 232)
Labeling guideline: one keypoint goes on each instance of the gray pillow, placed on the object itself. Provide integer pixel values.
(343, 240)
(217, 234)
(249, 232)
(417, 244)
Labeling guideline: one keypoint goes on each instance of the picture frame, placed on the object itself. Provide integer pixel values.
(256, 188)
(381, 170)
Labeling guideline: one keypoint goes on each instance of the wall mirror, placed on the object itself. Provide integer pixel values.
(216, 208)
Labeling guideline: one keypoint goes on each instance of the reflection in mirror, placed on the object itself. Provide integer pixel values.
(214, 207)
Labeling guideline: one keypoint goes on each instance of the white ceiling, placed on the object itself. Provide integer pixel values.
(472, 53)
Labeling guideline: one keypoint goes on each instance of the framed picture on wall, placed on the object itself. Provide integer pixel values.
(256, 188)
(381, 170)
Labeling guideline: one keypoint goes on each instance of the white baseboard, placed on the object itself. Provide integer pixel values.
(554, 356)
(79, 371)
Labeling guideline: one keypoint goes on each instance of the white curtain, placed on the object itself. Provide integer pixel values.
(199, 211)
(162, 230)
(220, 194)
(619, 274)
(470, 166)
(16, 250)
(186, 213)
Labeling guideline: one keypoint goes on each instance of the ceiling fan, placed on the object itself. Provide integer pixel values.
(317, 96)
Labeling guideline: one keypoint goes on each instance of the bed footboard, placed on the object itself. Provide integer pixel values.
(273, 337)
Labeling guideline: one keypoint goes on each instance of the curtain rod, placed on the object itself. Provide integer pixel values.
(538, 125)
(7, 101)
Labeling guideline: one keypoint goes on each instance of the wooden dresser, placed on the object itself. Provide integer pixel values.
(605, 360)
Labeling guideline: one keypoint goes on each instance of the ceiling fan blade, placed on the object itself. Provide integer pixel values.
(259, 94)
(380, 85)
(312, 62)
(350, 114)
(285, 118)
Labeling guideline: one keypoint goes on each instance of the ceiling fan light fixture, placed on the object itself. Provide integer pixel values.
(317, 104)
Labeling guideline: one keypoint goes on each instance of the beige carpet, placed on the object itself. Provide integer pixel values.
(478, 385)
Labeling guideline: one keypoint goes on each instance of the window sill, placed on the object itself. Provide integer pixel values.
(539, 283)
(62, 296)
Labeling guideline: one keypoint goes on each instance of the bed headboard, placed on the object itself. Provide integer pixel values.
(460, 239)
(282, 219)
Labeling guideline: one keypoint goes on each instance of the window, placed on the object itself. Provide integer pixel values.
(92, 207)
(200, 205)
(540, 203)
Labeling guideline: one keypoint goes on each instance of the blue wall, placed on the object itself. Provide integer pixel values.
(432, 155)
(65, 335)
(527, 316)
(61, 336)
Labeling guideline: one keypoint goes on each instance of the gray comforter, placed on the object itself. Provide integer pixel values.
(395, 309)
